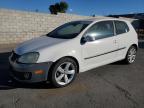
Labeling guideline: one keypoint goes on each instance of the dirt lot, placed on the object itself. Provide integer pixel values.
(111, 86)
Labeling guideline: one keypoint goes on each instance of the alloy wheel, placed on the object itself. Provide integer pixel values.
(131, 55)
(65, 73)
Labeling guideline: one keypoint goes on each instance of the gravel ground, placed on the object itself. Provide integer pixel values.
(111, 86)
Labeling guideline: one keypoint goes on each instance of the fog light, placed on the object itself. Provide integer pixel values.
(38, 72)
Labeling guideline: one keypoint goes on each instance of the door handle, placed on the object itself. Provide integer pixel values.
(115, 41)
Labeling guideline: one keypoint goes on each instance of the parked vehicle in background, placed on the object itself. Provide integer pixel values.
(73, 48)
(138, 25)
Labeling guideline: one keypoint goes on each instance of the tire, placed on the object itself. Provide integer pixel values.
(63, 72)
(131, 55)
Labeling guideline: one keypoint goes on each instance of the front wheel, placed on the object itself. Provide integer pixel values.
(63, 72)
(131, 55)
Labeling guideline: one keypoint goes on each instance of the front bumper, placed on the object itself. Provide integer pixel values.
(27, 72)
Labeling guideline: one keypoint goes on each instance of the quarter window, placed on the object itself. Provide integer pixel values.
(100, 30)
(121, 27)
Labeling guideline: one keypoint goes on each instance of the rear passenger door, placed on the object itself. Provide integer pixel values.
(122, 35)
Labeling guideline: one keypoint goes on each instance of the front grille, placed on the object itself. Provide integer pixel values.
(22, 75)
(14, 56)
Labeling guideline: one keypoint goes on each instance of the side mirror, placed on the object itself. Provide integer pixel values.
(87, 38)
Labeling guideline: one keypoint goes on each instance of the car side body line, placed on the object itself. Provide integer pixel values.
(105, 53)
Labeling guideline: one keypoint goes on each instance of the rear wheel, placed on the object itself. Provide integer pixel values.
(131, 55)
(63, 72)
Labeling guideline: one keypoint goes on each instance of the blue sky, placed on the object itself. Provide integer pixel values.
(82, 7)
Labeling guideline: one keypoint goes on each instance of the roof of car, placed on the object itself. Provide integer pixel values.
(103, 18)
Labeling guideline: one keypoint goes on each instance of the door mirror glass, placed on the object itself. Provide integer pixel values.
(87, 38)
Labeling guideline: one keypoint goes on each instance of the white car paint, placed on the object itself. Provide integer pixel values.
(52, 49)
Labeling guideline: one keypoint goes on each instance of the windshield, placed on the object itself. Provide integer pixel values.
(69, 30)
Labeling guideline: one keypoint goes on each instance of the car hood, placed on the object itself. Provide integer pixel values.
(36, 44)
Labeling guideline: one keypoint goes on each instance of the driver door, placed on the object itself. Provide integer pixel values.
(101, 48)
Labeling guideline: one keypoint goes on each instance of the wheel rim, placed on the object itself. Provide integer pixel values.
(132, 55)
(65, 73)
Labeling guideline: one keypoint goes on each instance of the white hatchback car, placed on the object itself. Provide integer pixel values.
(73, 48)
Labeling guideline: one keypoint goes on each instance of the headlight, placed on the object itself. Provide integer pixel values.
(29, 57)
